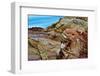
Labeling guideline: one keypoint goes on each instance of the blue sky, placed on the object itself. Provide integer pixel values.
(42, 21)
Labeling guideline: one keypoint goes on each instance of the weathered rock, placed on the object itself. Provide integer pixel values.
(72, 30)
(33, 57)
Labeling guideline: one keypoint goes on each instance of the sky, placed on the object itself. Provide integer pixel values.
(42, 21)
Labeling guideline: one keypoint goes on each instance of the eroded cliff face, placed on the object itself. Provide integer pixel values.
(68, 22)
(72, 31)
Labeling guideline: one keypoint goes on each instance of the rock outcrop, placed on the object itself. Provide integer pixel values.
(71, 30)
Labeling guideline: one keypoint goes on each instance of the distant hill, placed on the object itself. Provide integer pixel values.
(35, 29)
